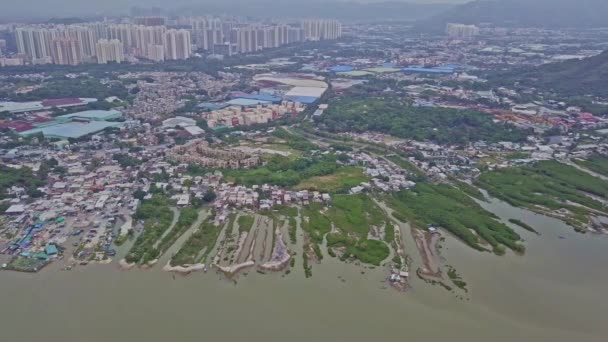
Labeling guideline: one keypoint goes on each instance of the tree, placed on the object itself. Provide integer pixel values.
(187, 183)
(139, 194)
(209, 196)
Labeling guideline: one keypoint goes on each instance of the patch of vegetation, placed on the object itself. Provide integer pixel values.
(389, 233)
(157, 217)
(469, 189)
(517, 155)
(548, 186)
(199, 245)
(306, 265)
(63, 87)
(21, 264)
(395, 116)
(291, 213)
(447, 207)
(293, 229)
(340, 181)
(368, 251)
(355, 214)
(596, 163)
(456, 279)
(286, 172)
(524, 225)
(314, 223)
(23, 177)
(125, 160)
(187, 217)
(295, 141)
(574, 78)
(245, 223)
(406, 165)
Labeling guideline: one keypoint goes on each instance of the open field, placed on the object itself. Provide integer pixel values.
(157, 217)
(343, 179)
(198, 246)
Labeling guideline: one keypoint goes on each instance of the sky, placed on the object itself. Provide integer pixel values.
(66, 8)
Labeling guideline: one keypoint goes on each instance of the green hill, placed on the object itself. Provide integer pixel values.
(569, 78)
(524, 13)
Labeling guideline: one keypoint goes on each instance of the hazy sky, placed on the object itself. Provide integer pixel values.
(64, 8)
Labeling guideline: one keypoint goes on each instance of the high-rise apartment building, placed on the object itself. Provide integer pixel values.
(148, 39)
(33, 41)
(66, 51)
(321, 29)
(178, 44)
(461, 31)
(110, 51)
(150, 21)
(155, 52)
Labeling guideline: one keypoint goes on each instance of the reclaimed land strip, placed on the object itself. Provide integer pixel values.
(202, 240)
(157, 217)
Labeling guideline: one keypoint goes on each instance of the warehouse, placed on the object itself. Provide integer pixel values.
(76, 125)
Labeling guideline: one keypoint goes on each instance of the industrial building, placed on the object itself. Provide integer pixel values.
(35, 106)
(76, 125)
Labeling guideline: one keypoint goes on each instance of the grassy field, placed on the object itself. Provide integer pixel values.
(187, 217)
(548, 186)
(245, 223)
(341, 180)
(354, 216)
(157, 218)
(204, 238)
(286, 172)
(315, 224)
(596, 163)
(451, 209)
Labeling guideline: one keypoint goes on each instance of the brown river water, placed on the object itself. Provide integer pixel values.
(555, 292)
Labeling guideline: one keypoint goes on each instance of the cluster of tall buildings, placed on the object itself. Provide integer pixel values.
(321, 29)
(461, 31)
(101, 43)
(149, 38)
(225, 37)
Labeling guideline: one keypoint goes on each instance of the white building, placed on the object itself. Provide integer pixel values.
(110, 51)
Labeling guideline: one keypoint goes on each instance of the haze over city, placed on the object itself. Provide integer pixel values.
(62, 8)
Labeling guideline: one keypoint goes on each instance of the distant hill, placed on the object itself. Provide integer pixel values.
(346, 11)
(524, 13)
(569, 78)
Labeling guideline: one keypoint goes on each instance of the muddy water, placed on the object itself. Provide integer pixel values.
(556, 292)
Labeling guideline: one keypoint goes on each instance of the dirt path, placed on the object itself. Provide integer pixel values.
(427, 246)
